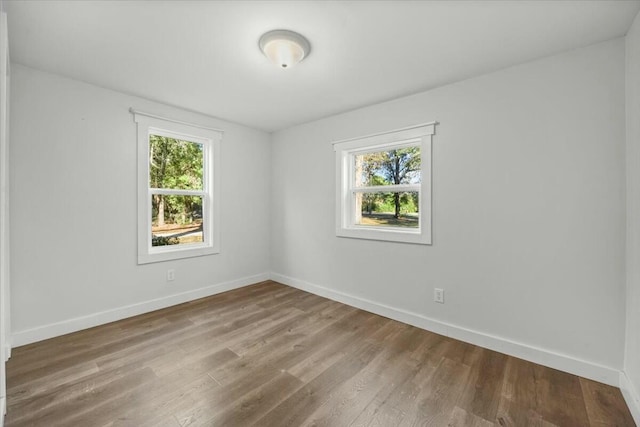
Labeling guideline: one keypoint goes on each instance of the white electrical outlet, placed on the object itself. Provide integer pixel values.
(438, 295)
(171, 275)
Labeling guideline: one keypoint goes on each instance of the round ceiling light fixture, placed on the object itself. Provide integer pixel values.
(284, 48)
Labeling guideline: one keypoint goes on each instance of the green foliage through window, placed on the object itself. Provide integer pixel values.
(164, 241)
(393, 167)
(178, 165)
(174, 163)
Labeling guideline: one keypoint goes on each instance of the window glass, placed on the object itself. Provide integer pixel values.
(176, 220)
(389, 167)
(175, 163)
(392, 209)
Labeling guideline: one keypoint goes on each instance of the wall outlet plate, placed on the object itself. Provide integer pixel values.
(438, 295)
(171, 275)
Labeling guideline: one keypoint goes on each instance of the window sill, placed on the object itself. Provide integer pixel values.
(173, 254)
(386, 235)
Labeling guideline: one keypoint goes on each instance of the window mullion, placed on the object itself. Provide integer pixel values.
(396, 188)
(177, 192)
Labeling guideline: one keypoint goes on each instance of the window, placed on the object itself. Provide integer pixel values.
(177, 189)
(384, 186)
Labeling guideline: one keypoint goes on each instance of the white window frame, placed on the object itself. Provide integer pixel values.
(419, 135)
(210, 139)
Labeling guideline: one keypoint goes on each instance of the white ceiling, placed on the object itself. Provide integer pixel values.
(204, 56)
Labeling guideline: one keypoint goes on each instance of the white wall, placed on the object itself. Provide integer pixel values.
(528, 212)
(73, 204)
(631, 384)
(5, 342)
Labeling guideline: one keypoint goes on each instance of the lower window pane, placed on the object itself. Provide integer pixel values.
(176, 220)
(394, 209)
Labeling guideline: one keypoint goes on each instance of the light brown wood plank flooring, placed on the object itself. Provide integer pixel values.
(270, 355)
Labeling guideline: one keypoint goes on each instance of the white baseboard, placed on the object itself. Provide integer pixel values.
(631, 396)
(541, 356)
(533, 354)
(76, 324)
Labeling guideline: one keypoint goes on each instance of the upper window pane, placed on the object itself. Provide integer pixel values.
(389, 167)
(175, 163)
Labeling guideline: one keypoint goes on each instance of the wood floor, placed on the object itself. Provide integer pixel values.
(270, 355)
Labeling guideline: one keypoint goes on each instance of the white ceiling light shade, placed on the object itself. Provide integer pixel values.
(284, 48)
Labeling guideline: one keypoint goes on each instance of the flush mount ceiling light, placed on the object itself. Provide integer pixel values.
(284, 48)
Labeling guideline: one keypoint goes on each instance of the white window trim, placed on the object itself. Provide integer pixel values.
(345, 149)
(210, 138)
